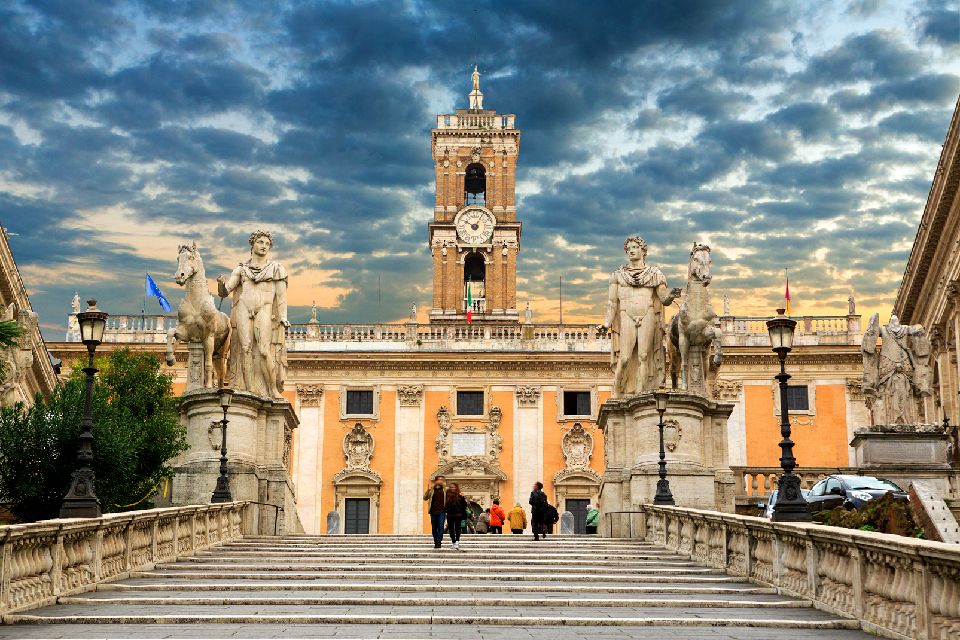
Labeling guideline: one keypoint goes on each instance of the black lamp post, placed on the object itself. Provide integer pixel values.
(222, 492)
(81, 500)
(663, 495)
(790, 506)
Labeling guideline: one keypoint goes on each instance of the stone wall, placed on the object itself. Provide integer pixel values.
(44, 560)
(897, 587)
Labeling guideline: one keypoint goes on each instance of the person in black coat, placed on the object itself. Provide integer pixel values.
(538, 508)
(456, 508)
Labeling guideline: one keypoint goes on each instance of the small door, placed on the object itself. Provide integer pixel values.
(357, 516)
(578, 507)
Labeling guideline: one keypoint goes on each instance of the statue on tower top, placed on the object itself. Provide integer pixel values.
(476, 96)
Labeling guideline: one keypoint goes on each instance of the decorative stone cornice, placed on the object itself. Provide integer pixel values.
(410, 395)
(528, 396)
(727, 389)
(309, 394)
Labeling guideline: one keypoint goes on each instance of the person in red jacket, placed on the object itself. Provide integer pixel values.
(497, 517)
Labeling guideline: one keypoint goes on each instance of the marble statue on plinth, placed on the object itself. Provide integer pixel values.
(199, 322)
(258, 354)
(693, 329)
(637, 295)
(897, 374)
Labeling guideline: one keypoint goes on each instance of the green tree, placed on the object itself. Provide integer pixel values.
(136, 432)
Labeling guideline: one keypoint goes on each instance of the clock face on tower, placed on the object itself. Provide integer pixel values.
(475, 225)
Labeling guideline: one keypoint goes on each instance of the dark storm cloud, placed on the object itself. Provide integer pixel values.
(682, 119)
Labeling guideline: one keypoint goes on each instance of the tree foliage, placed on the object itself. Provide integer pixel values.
(136, 432)
(10, 332)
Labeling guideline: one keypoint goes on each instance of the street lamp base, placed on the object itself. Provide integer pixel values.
(81, 501)
(790, 506)
(222, 492)
(664, 496)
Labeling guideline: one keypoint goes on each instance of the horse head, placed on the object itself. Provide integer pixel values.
(700, 263)
(188, 263)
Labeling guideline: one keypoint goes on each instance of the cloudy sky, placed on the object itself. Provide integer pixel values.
(799, 135)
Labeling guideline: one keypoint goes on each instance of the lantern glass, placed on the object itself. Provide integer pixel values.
(661, 396)
(92, 323)
(226, 396)
(781, 330)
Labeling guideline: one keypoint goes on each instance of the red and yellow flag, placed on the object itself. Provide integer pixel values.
(786, 293)
(469, 304)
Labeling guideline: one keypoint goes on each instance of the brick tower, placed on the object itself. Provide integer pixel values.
(475, 235)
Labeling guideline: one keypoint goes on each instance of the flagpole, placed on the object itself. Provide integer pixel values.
(379, 316)
(143, 305)
(561, 299)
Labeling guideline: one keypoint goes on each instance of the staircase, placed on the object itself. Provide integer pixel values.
(502, 587)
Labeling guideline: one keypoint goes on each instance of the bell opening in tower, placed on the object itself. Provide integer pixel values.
(474, 274)
(475, 184)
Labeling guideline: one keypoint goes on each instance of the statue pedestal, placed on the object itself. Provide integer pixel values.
(695, 438)
(906, 453)
(259, 440)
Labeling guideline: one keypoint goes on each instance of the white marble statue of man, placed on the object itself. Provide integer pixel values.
(258, 355)
(637, 295)
(899, 374)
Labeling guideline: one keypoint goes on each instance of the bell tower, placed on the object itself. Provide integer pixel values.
(475, 235)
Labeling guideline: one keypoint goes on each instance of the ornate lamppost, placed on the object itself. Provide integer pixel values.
(222, 492)
(663, 496)
(81, 500)
(790, 506)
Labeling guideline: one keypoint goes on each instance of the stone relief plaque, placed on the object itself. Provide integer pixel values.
(468, 444)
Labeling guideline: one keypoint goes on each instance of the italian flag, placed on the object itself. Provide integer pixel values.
(469, 304)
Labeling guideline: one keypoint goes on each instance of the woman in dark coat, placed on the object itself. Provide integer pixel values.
(538, 509)
(456, 508)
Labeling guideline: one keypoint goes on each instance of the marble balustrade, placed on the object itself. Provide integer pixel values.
(898, 587)
(44, 560)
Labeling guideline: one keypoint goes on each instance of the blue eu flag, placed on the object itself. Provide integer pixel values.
(154, 290)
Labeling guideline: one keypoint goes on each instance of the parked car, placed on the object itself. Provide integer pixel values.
(850, 492)
(768, 507)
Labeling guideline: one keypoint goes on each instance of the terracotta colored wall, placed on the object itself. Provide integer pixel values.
(384, 455)
(553, 460)
(504, 400)
(823, 443)
(432, 400)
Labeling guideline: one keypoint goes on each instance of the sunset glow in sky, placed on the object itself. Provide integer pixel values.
(798, 135)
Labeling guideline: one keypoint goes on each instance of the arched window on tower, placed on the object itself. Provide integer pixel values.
(475, 184)
(474, 275)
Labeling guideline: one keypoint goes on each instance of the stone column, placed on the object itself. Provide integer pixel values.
(408, 466)
(527, 443)
(308, 474)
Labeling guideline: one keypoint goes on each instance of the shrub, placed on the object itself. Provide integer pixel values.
(884, 514)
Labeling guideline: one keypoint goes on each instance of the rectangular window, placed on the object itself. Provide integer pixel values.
(360, 402)
(469, 403)
(798, 398)
(576, 403)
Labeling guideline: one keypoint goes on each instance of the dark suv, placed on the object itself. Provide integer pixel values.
(850, 492)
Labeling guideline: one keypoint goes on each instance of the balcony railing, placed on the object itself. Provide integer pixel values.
(737, 331)
(479, 305)
(475, 121)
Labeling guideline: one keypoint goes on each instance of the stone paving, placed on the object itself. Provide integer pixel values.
(400, 587)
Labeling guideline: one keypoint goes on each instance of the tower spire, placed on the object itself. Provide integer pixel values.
(476, 96)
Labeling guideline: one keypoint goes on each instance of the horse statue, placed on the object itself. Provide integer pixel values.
(694, 326)
(198, 320)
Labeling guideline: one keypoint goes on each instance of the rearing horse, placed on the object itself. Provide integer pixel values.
(694, 323)
(198, 320)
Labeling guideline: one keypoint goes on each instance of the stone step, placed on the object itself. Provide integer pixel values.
(451, 559)
(694, 575)
(731, 588)
(640, 618)
(430, 552)
(460, 568)
(461, 600)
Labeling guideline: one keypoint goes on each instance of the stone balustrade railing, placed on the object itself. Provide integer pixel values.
(897, 587)
(44, 560)
(737, 331)
(758, 482)
(476, 121)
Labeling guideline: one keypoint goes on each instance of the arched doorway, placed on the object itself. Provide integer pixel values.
(474, 277)
(475, 184)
